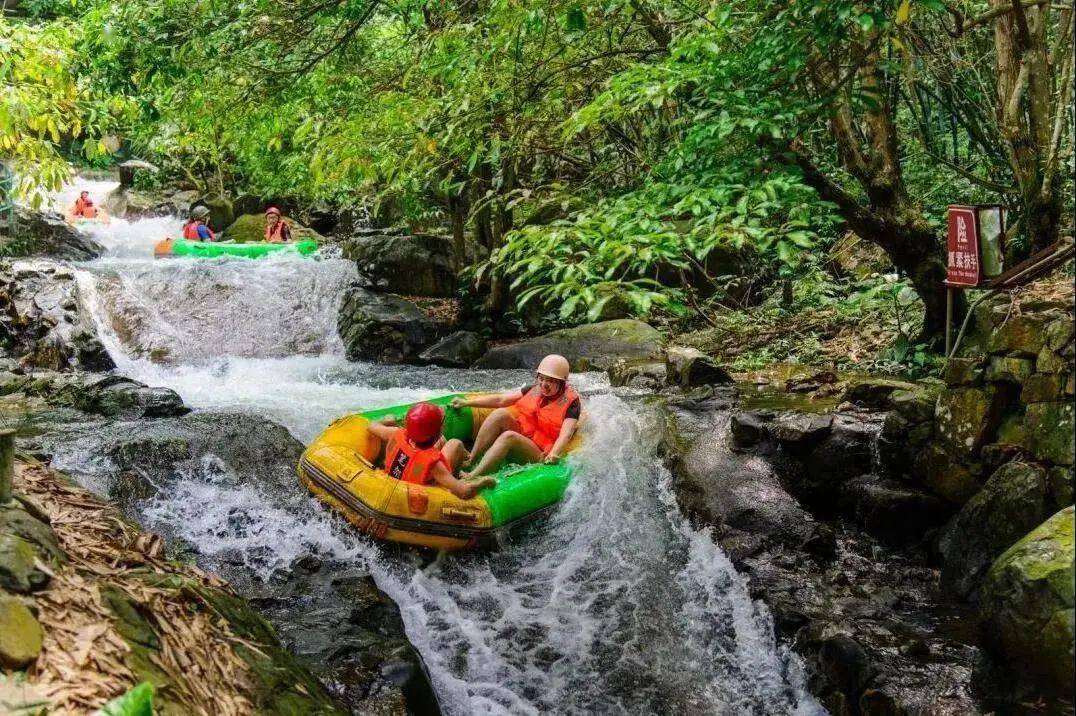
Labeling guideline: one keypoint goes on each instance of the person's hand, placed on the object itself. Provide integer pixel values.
(486, 482)
(458, 403)
(388, 420)
(551, 459)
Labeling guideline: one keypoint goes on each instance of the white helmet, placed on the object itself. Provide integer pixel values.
(554, 366)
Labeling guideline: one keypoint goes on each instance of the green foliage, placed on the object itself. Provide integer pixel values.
(44, 105)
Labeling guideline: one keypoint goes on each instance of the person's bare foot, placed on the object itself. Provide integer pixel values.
(465, 475)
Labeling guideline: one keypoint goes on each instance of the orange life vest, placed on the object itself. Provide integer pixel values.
(542, 423)
(416, 465)
(190, 231)
(85, 208)
(278, 233)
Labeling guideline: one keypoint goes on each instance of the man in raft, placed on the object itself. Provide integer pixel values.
(417, 452)
(277, 230)
(84, 207)
(532, 424)
(195, 229)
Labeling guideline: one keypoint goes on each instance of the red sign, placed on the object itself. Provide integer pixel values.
(964, 269)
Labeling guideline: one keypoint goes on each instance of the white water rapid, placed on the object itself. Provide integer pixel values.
(613, 605)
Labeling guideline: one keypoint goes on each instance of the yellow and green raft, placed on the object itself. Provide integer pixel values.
(340, 469)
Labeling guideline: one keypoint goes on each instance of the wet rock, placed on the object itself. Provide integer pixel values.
(1050, 430)
(690, 368)
(1060, 333)
(645, 374)
(97, 394)
(139, 204)
(719, 487)
(845, 452)
(897, 514)
(20, 634)
(798, 431)
(1012, 502)
(42, 323)
(749, 429)
(595, 346)
(221, 214)
(1027, 606)
(945, 475)
(966, 418)
(383, 327)
(915, 405)
(421, 265)
(811, 383)
(456, 350)
(875, 393)
(46, 234)
(1050, 362)
(131, 168)
(338, 620)
(250, 228)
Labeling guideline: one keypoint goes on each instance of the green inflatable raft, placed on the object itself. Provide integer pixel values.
(212, 250)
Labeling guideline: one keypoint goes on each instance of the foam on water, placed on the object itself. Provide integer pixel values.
(614, 603)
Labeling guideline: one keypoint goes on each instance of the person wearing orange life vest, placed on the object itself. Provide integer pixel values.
(418, 453)
(277, 230)
(532, 424)
(84, 207)
(195, 229)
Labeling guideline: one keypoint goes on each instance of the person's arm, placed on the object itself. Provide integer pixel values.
(382, 429)
(463, 489)
(204, 233)
(499, 400)
(567, 431)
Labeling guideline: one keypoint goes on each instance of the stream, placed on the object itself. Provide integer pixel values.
(615, 604)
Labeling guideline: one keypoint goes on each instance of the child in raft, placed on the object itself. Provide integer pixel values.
(532, 424)
(418, 453)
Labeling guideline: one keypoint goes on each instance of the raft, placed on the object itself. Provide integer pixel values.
(213, 249)
(340, 469)
(102, 218)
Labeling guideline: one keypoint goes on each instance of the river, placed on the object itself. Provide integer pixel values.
(615, 604)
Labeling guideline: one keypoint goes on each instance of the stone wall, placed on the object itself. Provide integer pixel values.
(996, 441)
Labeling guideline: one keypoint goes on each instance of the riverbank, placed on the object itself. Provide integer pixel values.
(92, 607)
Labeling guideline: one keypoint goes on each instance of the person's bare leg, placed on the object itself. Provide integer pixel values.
(509, 443)
(493, 426)
(455, 452)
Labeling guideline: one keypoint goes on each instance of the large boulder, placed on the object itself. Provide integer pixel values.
(42, 323)
(21, 635)
(383, 327)
(131, 168)
(456, 350)
(896, 513)
(1011, 503)
(420, 265)
(1027, 606)
(690, 368)
(139, 204)
(738, 494)
(250, 228)
(595, 346)
(46, 234)
(95, 393)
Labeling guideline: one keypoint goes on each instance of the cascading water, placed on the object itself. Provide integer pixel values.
(613, 604)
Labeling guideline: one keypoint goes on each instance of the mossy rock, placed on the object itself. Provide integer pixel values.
(18, 572)
(595, 346)
(1051, 428)
(1027, 606)
(1024, 335)
(1010, 503)
(20, 634)
(945, 475)
(250, 228)
(966, 418)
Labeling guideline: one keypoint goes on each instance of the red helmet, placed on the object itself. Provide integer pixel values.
(272, 210)
(423, 422)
